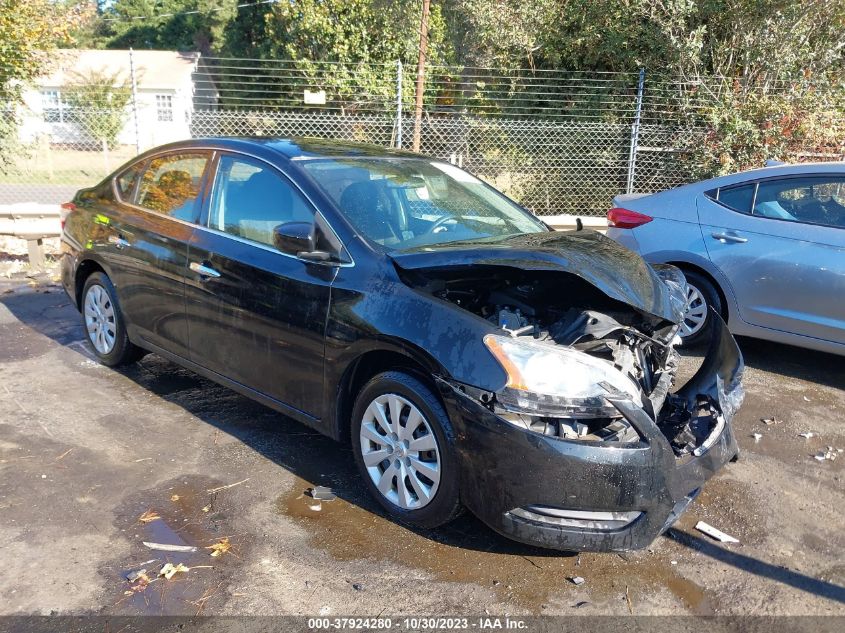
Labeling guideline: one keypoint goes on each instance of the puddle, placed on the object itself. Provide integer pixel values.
(466, 551)
(188, 516)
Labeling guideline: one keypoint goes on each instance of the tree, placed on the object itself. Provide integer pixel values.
(28, 29)
(99, 102)
(361, 35)
(164, 24)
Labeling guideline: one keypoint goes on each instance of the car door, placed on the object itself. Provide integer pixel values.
(160, 202)
(257, 316)
(781, 243)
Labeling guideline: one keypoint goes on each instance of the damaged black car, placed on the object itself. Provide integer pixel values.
(471, 356)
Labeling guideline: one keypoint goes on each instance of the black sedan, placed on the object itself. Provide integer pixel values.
(473, 357)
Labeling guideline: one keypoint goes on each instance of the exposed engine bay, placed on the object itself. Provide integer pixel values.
(562, 310)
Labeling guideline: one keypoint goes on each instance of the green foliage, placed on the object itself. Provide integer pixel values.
(165, 24)
(29, 28)
(797, 122)
(347, 31)
(362, 39)
(101, 99)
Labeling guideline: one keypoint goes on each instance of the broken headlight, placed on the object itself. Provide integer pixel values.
(556, 381)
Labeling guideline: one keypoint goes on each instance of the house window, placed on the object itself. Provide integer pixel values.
(55, 111)
(164, 108)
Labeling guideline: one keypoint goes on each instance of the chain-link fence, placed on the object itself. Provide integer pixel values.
(558, 142)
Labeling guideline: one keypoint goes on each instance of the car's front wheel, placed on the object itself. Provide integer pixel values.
(701, 296)
(104, 323)
(403, 447)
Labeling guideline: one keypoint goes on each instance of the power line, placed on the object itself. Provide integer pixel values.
(159, 16)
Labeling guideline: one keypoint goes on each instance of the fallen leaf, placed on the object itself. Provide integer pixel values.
(149, 515)
(220, 547)
(174, 497)
(169, 570)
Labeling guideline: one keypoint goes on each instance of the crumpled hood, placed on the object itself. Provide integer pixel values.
(618, 272)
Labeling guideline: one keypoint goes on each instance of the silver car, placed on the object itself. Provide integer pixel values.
(765, 248)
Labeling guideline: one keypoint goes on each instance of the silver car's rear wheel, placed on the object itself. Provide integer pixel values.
(695, 315)
(400, 452)
(100, 319)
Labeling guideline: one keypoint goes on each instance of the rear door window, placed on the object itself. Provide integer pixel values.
(810, 200)
(739, 198)
(126, 182)
(171, 185)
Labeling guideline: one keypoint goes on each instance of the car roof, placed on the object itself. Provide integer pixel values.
(296, 148)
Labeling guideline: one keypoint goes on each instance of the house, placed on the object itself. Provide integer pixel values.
(165, 95)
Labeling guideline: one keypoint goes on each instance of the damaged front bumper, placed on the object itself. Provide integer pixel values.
(595, 496)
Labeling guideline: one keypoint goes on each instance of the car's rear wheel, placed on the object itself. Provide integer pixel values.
(403, 447)
(103, 322)
(701, 296)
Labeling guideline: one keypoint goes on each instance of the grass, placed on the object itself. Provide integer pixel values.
(61, 166)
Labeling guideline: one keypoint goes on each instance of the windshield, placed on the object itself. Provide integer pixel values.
(401, 203)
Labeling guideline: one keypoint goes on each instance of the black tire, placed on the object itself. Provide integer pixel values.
(711, 299)
(123, 351)
(445, 504)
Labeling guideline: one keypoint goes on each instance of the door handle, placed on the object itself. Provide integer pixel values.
(204, 271)
(118, 241)
(729, 237)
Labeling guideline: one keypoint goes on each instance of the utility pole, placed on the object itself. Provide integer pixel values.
(421, 73)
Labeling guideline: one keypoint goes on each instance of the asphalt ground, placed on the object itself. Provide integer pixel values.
(86, 451)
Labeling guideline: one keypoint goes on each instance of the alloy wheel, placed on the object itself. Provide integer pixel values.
(695, 313)
(400, 452)
(100, 319)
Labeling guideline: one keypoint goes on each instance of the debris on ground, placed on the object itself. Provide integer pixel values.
(770, 421)
(715, 533)
(829, 454)
(757, 436)
(138, 574)
(174, 497)
(628, 600)
(220, 547)
(579, 604)
(577, 580)
(219, 488)
(166, 547)
(321, 493)
(807, 435)
(169, 570)
(358, 586)
(206, 508)
(806, 399)
(148, 516)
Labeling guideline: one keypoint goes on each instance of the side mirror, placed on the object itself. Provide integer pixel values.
(293, 238)
(299, 239)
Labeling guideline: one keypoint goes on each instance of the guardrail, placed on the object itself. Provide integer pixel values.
(31, 222)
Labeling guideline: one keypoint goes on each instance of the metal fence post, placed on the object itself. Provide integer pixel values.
(635, 134)
(134, 101)
(399, 104)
